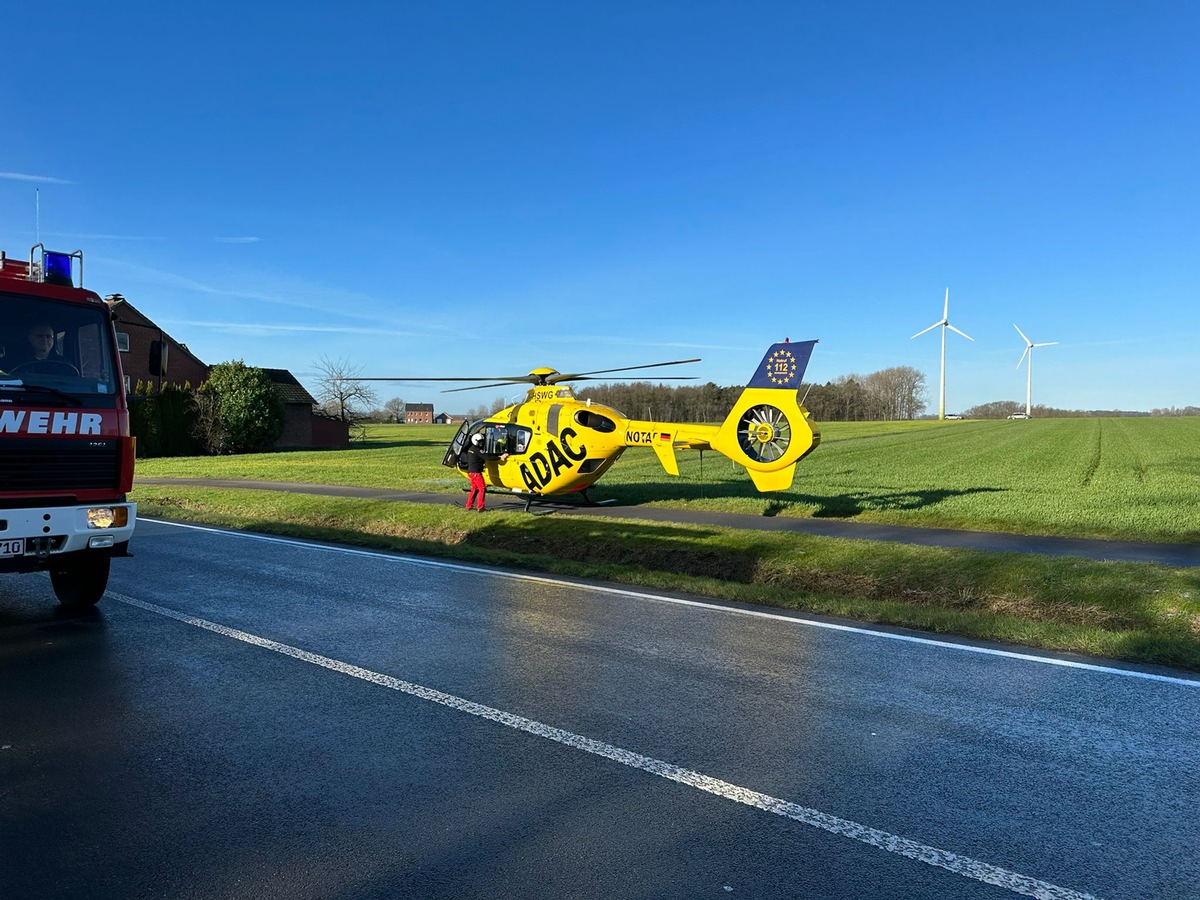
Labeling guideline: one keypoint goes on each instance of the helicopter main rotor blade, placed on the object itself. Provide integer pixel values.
(477, 387)
(504, 379)
(633, 378)
(542, 376)
(555, 379)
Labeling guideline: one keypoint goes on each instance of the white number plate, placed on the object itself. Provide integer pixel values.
(12, 547)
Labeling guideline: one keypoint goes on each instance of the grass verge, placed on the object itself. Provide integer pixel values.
(1127, 611)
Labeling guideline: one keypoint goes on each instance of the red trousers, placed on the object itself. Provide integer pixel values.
(478, 489)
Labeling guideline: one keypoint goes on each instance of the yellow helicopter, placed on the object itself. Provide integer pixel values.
(557, 444)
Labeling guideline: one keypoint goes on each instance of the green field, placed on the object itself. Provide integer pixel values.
(1130, 478)
(1127, 478)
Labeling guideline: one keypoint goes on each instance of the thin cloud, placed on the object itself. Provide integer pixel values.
(237, 240)
(102, 237)
(625, 341)
(33, 179)
(263, 327)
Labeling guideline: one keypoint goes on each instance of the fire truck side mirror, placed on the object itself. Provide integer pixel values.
(158, 358)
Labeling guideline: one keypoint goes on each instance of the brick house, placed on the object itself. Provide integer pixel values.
(303, 428)
(183, 367)
(418, 414)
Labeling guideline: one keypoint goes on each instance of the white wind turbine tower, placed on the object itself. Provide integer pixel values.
(943, 323)
(1029, 345)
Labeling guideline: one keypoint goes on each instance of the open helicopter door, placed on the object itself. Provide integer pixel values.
(450, 460)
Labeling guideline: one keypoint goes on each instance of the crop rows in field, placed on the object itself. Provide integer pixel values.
(1127, 477)
(1119, 477)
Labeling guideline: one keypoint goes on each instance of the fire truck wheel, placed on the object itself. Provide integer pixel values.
(81, 584)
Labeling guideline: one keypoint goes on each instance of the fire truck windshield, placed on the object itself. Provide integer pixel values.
(65, 348)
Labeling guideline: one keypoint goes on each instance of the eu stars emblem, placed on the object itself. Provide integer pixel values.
(781, 368)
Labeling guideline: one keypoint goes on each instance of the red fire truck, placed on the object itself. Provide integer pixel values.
(66, 457)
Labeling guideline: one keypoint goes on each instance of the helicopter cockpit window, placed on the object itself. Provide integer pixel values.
(510, 439)
(595, 421)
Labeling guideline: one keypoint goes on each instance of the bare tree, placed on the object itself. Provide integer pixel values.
(209, 428)
(394, 410)
(340, 391)
(896, 393)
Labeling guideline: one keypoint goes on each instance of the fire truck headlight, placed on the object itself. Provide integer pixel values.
(107, 517)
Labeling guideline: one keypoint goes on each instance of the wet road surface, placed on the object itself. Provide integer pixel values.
(255, 717)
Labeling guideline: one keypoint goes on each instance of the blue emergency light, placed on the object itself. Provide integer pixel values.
(56, 268)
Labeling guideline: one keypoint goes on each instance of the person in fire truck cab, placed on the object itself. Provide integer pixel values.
(40, 338)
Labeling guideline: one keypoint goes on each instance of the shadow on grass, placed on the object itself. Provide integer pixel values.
(847, 506)
(823, 506)
(372, 444)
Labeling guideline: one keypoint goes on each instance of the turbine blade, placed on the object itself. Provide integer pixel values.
(1022, 359)
(956, 331)
(946, 307)
(930, 328)
(1021, 333)
(1046, 344)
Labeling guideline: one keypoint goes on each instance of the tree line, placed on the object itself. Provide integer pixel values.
(896, 393)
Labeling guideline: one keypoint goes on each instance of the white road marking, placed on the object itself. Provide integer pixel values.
(699, 604)
(964, 866)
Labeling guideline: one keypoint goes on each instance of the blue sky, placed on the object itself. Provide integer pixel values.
(470, 188)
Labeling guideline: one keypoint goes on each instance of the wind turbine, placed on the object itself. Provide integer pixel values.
(943, 323)
(1029, 345)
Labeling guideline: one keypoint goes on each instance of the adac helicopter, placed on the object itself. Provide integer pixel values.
(557, 444)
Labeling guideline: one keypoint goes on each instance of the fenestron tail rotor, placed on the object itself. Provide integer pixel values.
(764, 433)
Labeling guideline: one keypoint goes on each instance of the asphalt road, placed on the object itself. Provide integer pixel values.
(255, 717)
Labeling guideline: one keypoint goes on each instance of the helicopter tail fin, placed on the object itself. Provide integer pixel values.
(768, 430)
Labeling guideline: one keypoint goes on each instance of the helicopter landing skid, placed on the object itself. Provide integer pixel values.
(563, 502)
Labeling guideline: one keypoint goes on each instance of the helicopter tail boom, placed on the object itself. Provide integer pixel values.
(768, 430)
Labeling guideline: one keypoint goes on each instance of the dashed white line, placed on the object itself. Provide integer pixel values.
(943, 859)
(699, 604)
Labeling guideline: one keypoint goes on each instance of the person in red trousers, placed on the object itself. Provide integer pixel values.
(473, 459)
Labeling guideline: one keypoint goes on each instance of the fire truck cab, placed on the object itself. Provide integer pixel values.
(66, 456)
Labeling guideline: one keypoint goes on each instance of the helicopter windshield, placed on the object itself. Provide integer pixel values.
(510, 439)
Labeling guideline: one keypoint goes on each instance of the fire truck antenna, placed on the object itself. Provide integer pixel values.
(37, 216)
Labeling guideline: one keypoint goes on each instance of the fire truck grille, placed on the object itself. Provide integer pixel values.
(60, 465)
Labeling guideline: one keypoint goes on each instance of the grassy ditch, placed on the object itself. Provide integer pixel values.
(1127, 611)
